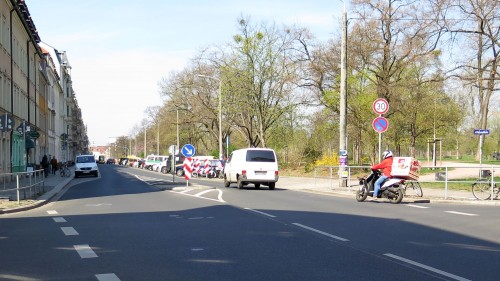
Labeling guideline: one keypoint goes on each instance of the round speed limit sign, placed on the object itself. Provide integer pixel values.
(380, 106)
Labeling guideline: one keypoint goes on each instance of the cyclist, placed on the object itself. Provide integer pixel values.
(386, 167)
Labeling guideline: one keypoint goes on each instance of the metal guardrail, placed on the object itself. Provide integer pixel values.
(28, 184)
(447, 182)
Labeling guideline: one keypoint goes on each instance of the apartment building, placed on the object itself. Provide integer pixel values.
(38, 107)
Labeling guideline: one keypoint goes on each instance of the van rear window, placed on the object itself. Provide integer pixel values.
(260, 156)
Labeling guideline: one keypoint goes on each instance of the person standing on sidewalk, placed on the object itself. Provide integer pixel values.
(53, 163)
(386, 167)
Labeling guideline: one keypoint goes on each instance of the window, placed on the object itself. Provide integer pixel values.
(260, 156)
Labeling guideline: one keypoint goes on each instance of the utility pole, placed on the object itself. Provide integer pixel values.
(343, 94)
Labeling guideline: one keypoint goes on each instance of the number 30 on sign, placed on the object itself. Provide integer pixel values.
(380, 106)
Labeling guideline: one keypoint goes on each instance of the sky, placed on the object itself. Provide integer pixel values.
(119, 50)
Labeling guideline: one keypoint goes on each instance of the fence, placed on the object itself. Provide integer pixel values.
(22, 186)
(447, 182)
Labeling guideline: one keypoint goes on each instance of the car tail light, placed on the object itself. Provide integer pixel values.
(275, 173)
(244, 172)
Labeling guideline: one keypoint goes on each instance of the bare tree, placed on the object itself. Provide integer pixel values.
(478, 22)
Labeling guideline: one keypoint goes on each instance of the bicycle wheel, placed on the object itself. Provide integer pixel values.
(481, 190)
(62, 173)
(417, 189)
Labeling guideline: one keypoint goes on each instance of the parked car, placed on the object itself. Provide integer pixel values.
(154, 159)
(110, 161)
(86, 165)
(165, 166)
(251, 165)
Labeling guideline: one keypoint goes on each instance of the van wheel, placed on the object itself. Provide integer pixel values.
(226, 182)
(256, 185)
(163, 170)
(272, 185)
(240, 183)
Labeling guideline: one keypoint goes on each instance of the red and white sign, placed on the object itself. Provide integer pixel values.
(187, 165)
(380, 106)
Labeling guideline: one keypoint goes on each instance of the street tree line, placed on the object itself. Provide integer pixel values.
(434, 61)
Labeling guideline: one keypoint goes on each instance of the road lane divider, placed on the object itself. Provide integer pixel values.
(321, 232)
(59, 219)
(426, 267)
(69, 231)
(417, 206)
(259, 212)
(85, 251)
(460, 213)
(52, 212)
(107, 277)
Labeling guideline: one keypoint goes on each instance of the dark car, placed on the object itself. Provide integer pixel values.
(110, 161)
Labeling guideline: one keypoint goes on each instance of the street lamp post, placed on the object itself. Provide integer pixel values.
(220, 112)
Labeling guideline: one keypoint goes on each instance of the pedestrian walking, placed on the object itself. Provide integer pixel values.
(45, 165)
(53, 163)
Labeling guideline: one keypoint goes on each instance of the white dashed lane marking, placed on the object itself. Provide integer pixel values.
(426, 267)
(69, 231)
(85, 251)
(59, 219)
(107, 277)
(321, 232)
(259, 212)
(52, 212)
(417, 206)
(460, 213)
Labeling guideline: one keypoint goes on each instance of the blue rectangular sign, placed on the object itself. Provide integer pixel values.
(481, 132)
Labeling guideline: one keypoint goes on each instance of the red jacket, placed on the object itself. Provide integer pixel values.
(385, 165)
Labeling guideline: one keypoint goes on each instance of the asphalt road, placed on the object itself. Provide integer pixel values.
(132, 224)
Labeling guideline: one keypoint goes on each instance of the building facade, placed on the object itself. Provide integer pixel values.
(39, 113)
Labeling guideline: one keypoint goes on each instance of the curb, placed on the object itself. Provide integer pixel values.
(44, 199)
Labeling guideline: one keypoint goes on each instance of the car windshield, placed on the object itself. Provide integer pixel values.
(85, 159)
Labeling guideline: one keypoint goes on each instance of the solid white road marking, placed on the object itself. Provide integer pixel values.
(417, 206)
(85, 251)
(203, 192)
(107, 277)
(259, 212)
(69, 231)
(460, 213)
(321, 232)
(59, 219)
(452, 276)
(187, 190)
(52, 212)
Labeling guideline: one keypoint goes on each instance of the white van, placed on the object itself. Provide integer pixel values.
(252, 165)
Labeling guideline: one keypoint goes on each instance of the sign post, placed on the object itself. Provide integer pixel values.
(481, 133)
(380, 124)
(188, 151)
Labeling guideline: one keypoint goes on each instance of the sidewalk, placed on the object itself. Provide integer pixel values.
(52, 185)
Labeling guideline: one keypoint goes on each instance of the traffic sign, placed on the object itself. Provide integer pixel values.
(380, 106)
(188, 150)
(380, 124)
(481, 131)
(6, 122)
(34, 134)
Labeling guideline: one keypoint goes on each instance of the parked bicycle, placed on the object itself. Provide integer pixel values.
(64, 170)
(482, 189)
(415, 186)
